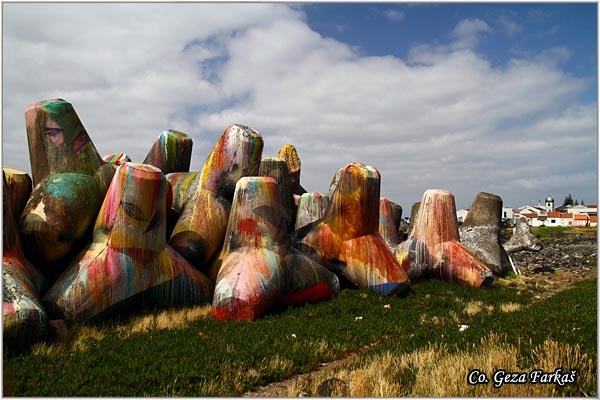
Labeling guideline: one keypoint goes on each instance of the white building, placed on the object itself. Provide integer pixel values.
(508, 215)
(461, 215)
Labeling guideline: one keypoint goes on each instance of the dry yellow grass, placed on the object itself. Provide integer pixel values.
(509, 307)
(434, 371)
(473, 308)
(168, 319)
(79, 336)
(76, 340)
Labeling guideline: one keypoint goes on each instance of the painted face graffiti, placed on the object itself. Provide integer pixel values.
(79, 142)
(54, 132)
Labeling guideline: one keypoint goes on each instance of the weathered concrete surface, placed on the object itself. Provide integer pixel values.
(481, 232)
(522, 238)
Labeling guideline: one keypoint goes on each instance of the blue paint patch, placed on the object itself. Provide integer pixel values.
(390, 288)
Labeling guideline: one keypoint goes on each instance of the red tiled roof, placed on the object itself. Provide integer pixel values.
(593, 218)
(554, 214)
(566, 215)
(583, 217)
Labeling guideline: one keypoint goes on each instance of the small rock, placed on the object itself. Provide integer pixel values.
(333, 387)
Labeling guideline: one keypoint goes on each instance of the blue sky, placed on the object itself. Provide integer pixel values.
(468, 97)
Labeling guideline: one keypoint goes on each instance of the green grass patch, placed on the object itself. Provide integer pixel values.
(215, 358)
(562, 232)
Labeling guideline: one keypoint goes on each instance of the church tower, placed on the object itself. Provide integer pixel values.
(549, 204)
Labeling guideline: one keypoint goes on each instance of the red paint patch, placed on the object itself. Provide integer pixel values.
(313, 294)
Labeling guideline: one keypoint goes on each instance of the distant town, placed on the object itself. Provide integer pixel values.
(569, 214)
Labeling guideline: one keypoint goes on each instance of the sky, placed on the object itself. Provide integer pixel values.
(467, 97)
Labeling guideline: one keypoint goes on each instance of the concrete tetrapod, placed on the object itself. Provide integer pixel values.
(171, 152)
(277, 168)
(70, 180)
(199, 232)
(481, 232)
(390, 215)
(311, 207)
(258, 266)
(24, 320)
(522, 238)
(434, 245)
(128, 265)
(289, 153)
(347, 240)
(19, 186)
(116, 158)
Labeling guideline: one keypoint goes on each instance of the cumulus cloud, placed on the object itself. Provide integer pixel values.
(444, 117)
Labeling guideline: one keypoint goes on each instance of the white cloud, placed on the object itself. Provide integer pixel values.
(443, 118)
(468, 32)
(393, 15)
(509, 26)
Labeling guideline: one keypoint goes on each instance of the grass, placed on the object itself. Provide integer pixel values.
(561, 232)
(436, 371)
(189, 353)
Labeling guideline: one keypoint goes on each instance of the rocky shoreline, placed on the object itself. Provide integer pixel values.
(570, 254)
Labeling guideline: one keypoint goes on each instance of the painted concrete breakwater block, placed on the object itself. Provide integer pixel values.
(277, 168)
(522, 238)
(258, 266)
(311, 207)
(481, 232)
(116, 158)
(171, 152)
(183, 184)
(128, 265)
(199, 232)
(390, 215)
(70, 180)
(24, 320)
(18, 186)
(434, 244)
(289, 153)
(347, 240)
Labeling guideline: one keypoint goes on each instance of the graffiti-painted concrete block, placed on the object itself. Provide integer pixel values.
(19, 186)
(346, 240)
(390, 215)
(434, 245)
(199, 232)
(258, 266)
(116, 158)
(70, 180)
(277, 168)
(171, 152)
(311, 207)
(289, 153)
(24, 320)
(128, 265)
